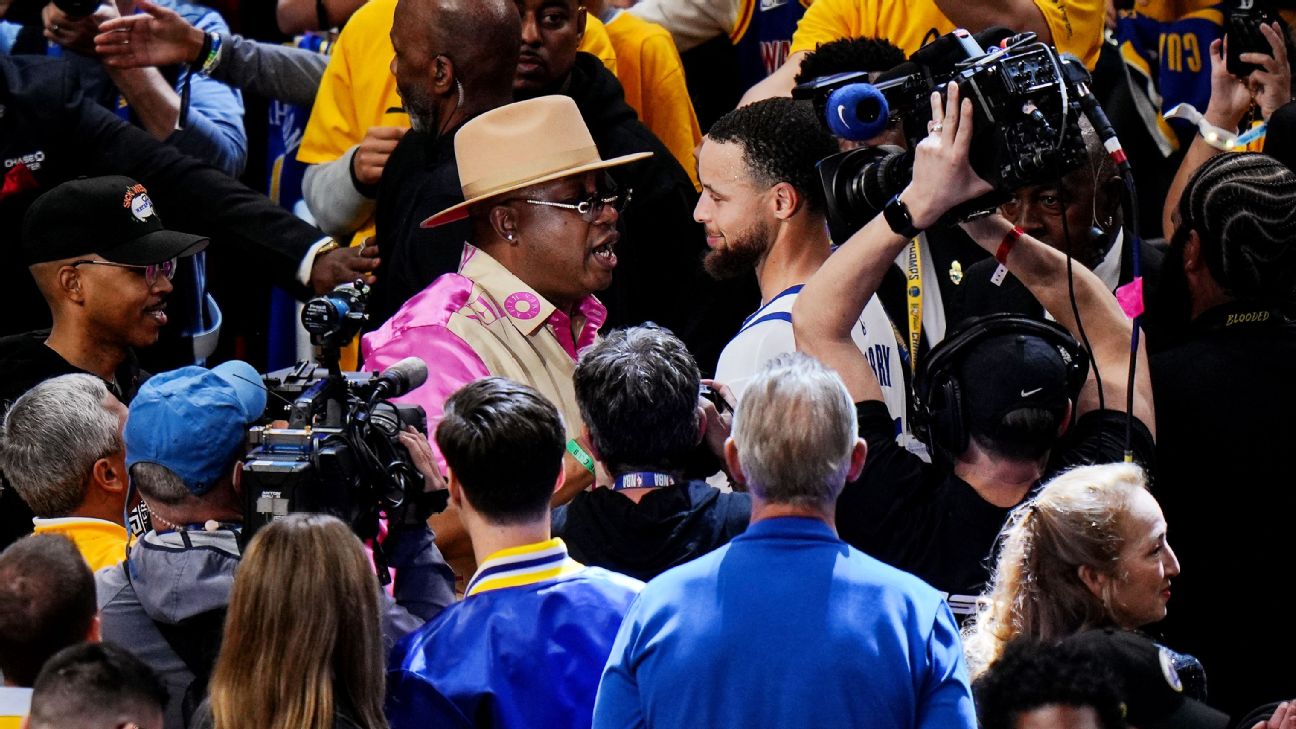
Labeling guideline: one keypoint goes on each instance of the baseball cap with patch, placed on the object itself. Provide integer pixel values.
(193, 421)
(109, 216)
(1148, 681)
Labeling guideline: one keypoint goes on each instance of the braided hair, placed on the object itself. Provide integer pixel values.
(1243, 207)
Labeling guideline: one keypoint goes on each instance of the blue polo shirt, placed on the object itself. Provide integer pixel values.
(786, 626)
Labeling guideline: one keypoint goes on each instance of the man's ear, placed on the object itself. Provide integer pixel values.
(859, 454)
(108, 476)
(443, 75)
(785, 201)
(587, 442)
(581, 17)
(733, 462)
(701, 423)
(95, 633)
(1193, 260)
(68, 280)
(455, 488)
(236, 478)
(504, 222)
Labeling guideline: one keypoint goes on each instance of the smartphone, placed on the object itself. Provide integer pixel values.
(721, 405)
(1244, 36)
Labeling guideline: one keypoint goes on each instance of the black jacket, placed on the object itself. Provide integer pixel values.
(667, 527)
(420, 179)
(50, 133)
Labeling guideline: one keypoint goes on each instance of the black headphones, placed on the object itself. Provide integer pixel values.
(940, 416)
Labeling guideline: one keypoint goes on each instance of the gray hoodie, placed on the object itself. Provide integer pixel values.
(177, 575)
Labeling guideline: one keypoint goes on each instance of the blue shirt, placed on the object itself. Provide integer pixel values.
(523, 649)
(786, 626)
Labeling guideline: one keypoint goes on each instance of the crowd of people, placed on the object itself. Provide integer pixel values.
(704, 440)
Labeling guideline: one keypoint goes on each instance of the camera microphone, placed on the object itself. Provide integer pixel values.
(400, 378)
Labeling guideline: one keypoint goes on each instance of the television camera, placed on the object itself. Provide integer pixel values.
(329, 440)
(1026, 101)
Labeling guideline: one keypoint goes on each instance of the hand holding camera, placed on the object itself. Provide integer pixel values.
(942, 173)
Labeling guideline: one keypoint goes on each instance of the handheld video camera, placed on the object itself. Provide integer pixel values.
(1026, 103)
(329, 441)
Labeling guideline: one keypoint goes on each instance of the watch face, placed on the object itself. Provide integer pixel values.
(897, 216)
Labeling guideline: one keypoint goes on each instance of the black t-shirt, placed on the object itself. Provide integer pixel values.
(925, 520)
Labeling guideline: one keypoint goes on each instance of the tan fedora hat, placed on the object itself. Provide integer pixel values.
(519, 145)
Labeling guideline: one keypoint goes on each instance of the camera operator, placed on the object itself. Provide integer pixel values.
(1002, 393)
(185, 436)
(919, 291)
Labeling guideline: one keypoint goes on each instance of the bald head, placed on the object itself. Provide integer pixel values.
(479, 37)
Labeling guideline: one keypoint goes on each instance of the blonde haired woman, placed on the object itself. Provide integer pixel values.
(303, 646)
(1088, 551)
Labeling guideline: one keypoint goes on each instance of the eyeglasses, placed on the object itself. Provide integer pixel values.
(152, 272)
(591, 209)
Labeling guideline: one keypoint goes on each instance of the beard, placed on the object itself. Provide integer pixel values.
(740, 255)
(421, 110)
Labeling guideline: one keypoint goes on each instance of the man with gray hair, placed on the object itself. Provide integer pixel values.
(61, 449)
(856, 642)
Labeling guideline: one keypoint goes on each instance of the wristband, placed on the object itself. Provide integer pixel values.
(213, 53)
(202, 52)
(1001, 255)
(580, 455)
(898, 218)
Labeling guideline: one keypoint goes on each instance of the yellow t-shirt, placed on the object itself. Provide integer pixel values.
(1076, 25)
(652, 75)
(101, 543)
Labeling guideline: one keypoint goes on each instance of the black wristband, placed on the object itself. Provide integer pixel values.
(898, 217)
(202, 54)
(369, 191)
(321, 16)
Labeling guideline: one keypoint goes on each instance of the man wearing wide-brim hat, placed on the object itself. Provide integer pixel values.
(522, 305)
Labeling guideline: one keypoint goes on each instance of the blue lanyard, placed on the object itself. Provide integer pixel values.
(642, 480)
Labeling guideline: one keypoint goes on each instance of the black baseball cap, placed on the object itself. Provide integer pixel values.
(109, 216)
(1012, 371)
(1148, 682)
